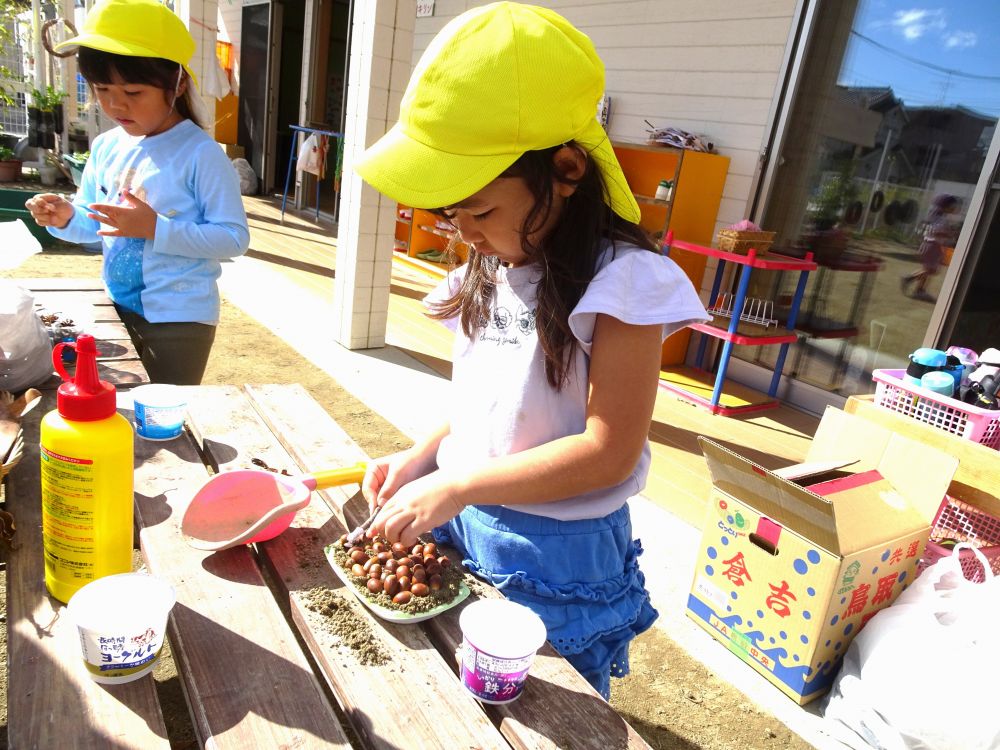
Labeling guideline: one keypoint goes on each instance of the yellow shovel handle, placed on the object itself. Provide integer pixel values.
(337, 477)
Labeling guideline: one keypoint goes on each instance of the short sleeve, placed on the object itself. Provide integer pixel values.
(641, 288)
(447, 289)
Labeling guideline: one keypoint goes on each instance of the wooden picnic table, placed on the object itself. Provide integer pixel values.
(260, 663)
(117, 361)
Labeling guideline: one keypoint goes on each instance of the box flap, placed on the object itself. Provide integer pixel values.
(812, 468)
(869, 507)
(921, 473)
(840, 435)
(791, 506)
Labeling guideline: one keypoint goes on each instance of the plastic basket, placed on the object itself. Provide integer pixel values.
(958, 521)
(970, 422)
(741, 241)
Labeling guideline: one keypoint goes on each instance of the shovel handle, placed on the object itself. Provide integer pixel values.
(336, 477)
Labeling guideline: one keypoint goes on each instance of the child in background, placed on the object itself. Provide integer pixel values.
(940, 231)
(157, 191)
(559, 315)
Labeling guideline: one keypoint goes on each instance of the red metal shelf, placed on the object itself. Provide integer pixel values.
(743, 339)
(771, 261)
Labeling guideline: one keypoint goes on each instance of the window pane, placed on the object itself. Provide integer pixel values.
(886, 141)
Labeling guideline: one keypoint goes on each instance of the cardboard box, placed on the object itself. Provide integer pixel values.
(793, 563)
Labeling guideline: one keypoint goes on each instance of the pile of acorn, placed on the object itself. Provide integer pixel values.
(399, 572)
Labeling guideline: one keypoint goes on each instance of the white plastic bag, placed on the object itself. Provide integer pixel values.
(215, 81)
(18, 243)
(248, 178)
(312, 155)
(918, 675)
(25, 348)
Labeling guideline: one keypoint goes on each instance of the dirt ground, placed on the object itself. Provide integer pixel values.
(671, 699)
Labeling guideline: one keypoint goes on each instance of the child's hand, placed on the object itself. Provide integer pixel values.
(134, 218)
(387, 474)
(50, 210)
(375, 479)
(417, 507)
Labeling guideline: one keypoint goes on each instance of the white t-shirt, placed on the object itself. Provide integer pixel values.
(501, 402)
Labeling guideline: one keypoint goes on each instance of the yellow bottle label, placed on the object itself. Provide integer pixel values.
(68, 517)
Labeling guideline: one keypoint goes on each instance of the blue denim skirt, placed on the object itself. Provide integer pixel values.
(581, 577)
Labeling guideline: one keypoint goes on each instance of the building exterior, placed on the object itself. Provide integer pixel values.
(832, 139)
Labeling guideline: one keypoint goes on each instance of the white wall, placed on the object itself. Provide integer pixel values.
(710, 67)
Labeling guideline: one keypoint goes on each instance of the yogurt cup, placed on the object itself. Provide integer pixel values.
(159, 411)
(499, 641)
(121, 620)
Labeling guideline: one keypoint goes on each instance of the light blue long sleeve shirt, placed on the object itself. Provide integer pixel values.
(193, 187)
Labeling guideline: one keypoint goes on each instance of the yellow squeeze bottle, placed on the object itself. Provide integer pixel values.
(86, 472)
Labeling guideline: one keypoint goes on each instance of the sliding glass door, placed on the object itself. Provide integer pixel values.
(876, 170)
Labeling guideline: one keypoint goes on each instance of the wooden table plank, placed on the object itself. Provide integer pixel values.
(414, 675)
(558, 708)
(51, 700)
(246, 678)
(61, 284)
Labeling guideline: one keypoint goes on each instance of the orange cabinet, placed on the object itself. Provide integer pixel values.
(699, 179)
(424, 236)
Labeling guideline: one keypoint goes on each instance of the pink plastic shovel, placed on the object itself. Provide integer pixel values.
(251, 505)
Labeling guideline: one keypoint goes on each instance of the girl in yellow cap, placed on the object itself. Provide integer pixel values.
(559, 315)
(157, 192)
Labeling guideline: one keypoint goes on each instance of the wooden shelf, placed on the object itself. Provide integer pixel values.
(699, 180)
(648, 200)
(434, 230)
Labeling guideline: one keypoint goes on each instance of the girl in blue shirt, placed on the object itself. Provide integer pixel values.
(157, 192)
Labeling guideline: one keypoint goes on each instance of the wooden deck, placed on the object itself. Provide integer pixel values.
(305, 252)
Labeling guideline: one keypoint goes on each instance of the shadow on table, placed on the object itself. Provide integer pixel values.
(230, 702)
(109, 349)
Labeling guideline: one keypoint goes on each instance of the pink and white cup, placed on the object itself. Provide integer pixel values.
(499, 641)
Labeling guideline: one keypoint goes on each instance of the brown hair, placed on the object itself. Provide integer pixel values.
(567, 256)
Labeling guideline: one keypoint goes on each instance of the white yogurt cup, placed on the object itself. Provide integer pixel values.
(121, 620)
(499, 641)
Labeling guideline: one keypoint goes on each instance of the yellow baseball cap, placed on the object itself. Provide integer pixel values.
(136, 28)
(496, 81)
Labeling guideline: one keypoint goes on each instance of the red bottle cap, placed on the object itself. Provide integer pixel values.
(83, 397)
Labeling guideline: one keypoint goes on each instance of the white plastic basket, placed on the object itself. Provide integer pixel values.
(949, 414)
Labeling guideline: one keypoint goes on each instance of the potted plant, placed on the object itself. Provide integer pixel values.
(10, 167)
(825, 237)
(76, 162)
(45, 116)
